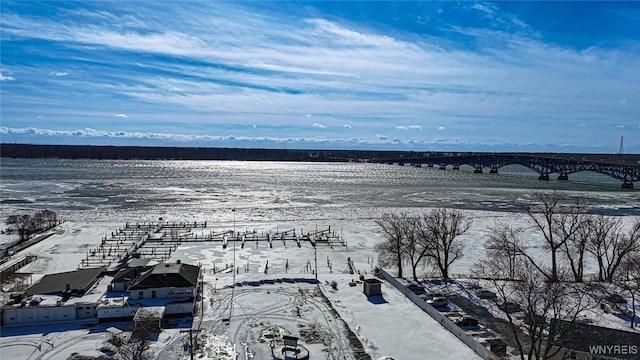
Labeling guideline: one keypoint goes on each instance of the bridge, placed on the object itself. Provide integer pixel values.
(624, 167)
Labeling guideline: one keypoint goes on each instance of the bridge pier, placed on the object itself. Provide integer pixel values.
(443, 167)
(563, 176)
(544, 177)
(494, 169)
(430, 165)
(456, 167)
(478, 170)
(627, 185)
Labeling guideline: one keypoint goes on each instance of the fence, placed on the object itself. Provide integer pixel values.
(440, 318)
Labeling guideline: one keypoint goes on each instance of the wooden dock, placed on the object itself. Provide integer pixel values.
(158, 240)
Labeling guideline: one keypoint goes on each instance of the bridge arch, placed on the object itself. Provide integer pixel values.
(544, 164)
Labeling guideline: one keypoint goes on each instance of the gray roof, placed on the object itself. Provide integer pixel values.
(129, 274)
(78, 281)
(580, 337)
(139, 262)
(167, 275)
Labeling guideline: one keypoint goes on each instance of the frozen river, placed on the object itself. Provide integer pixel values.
(206, 190)
(97, 197)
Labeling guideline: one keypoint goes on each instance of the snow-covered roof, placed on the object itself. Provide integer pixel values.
(149, 313)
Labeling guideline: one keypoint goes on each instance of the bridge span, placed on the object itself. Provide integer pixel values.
(624, 167)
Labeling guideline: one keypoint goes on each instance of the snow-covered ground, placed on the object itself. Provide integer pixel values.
(395, 328)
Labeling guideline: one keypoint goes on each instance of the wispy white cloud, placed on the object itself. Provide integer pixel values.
(59, 73)
(213, 68)
(409, 127)
(341, 35)
(377, 141)
(346, 126)
(5, 77)
(122, 115)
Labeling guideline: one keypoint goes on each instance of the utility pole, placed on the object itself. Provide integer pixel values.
(191, 348)
(233, 287)
(315, 253)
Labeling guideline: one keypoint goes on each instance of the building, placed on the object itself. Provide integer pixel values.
(172, 286)
(149, 318)
(166, 281)
(125, 276)
(90, 295)
(68, 296)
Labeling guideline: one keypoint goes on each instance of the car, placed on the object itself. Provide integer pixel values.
(486, 294)
(510, 307)
(417, 289)
(430, 296)
(467, 322)
(438, 302)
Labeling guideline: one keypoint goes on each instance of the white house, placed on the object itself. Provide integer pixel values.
(166, 281)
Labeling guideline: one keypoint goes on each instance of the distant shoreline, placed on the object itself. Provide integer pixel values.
(106, 152)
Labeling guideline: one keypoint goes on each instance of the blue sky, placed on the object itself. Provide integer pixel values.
(477, 76)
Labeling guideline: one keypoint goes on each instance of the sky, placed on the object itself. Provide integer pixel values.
(406, 75)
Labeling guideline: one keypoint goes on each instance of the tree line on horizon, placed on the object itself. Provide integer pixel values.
(192, 153)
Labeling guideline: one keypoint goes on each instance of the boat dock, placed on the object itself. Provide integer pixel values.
(158, 240)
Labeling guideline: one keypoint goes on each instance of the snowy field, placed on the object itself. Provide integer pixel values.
(295, 307)
(395, 328)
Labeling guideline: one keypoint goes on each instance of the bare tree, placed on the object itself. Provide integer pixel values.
(530, 304)
(575, 248)
(439, 231)
(23, 224)
(629, 280)
(504, 246)
(610, 245)
(415, 249)
(46, 218)
(391, 250)
(557, 222)
(137, 347)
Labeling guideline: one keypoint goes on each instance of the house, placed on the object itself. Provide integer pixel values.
(70, 283)
(166, 281)
(67, 296)
(173, 286)
(125, 276)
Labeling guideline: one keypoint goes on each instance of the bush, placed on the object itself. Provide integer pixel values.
(334, 285)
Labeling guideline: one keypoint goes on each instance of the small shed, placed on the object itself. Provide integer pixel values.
(114, 335)
(149, 318)
(372, 287)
